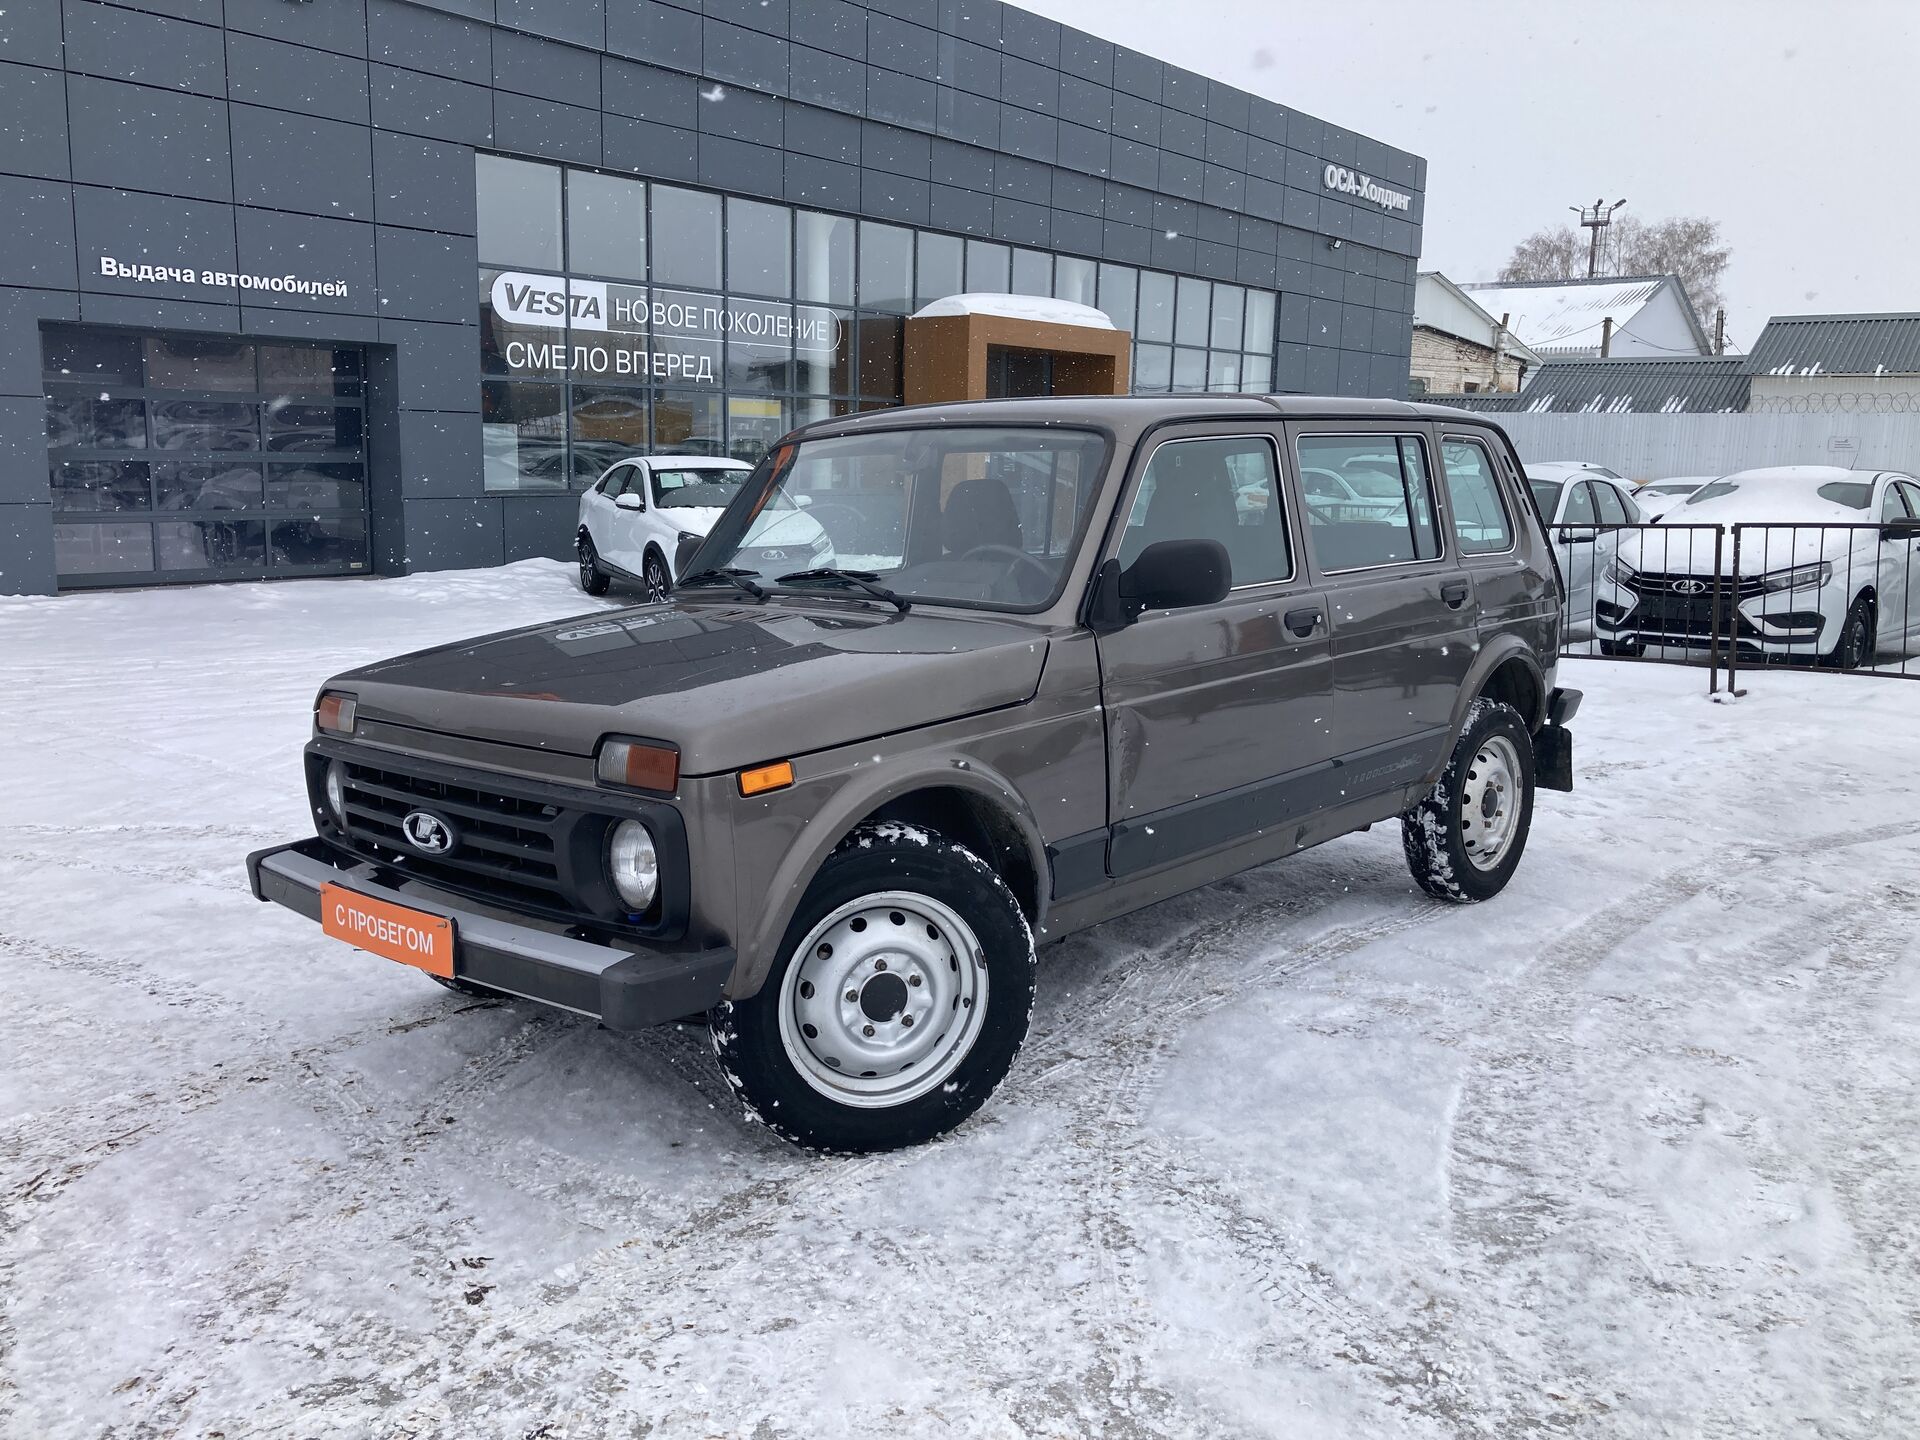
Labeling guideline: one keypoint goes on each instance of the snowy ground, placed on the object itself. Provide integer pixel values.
(1631, 1151)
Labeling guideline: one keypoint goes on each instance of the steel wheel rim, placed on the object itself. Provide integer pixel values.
(890, 947)
(1490, 796)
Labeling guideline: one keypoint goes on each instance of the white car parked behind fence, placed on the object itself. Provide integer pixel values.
(632, 519)
(1583, 506)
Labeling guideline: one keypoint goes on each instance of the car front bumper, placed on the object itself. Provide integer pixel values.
(1803, 622)
(623, 988)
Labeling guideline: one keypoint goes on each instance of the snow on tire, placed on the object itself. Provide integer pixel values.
(901, 996)
(1464, 841)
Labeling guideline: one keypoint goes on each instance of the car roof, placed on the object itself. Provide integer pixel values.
(693, 462)
(1805, 474)
(1141, 411)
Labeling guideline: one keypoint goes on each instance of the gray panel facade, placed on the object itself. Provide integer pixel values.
(335, 143)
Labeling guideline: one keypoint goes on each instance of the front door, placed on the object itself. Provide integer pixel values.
(1218, 721)
(1402, 608)
(627, 514)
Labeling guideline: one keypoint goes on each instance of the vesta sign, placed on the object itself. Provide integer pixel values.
(550, 301)
(1351, 182)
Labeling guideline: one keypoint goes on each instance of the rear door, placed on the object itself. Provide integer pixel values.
(1218, 717)
(1577, 545)
(1400, 605)
(1485, 526)
(1899, 559)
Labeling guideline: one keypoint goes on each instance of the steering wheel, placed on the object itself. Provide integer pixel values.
(1016, 557)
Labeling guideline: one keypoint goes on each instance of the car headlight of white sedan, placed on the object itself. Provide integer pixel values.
(1801, 577)
(1619, 572)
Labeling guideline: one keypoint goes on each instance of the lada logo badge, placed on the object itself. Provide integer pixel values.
(427, 833)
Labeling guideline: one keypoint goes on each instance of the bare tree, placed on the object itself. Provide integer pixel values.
(1689, 246)
(1685, 245)
(1555, 253)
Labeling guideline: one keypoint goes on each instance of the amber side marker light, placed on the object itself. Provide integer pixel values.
(638, 766)
(762, 778)
(335, 713)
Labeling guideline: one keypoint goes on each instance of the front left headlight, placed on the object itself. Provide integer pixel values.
(337, 793)
(1804, 577)
(633, 864)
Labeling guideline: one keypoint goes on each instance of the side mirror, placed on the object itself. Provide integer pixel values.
(1577, 537)
(683, 552)
(1905, 528)
(628, 501)
(1176, 575)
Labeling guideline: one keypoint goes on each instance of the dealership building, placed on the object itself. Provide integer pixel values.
(375, 286)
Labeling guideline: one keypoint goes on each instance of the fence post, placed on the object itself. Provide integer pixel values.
(1713, 638)
(1733, 621)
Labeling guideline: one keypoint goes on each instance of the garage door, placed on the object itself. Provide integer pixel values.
(191, 458)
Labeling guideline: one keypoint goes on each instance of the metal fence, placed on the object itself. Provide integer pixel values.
(1841, 598)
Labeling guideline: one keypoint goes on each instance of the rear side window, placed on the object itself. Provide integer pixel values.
(1386, 516)
(1481, 525)
(1224, 490)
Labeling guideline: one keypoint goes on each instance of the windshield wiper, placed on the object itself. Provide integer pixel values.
(856, 579)
(727, 575)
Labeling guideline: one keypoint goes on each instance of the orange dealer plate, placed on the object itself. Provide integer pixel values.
(393, 931)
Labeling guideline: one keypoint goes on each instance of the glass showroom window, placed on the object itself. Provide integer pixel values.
(683, 321)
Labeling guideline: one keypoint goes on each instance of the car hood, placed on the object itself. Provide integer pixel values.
(731, 685)
(1671, 549)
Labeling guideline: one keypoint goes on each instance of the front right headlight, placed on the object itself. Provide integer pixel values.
(1804, 577)
(1618, 572)
(633, 864)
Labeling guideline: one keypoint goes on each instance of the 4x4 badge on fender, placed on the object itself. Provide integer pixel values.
(427, 832)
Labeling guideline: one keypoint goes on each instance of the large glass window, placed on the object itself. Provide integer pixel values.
(523, 435)
(1117, 285)
(686, 238)
(886, 267)
(1032, 272)
(989, 267)
(606, 225)
(519, 212)
(823, 258)
(942, 268)
(1369, 500)
(1074, 280)
(759, 249)
(1155, 322)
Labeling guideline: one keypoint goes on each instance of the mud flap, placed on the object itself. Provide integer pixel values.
(1553, 758)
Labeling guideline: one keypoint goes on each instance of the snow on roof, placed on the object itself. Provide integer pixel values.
(1568, 315)
(1796, 474)
(1018, 307)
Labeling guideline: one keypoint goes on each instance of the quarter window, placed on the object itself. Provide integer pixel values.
(1481, 525)
(1383, 513)
(1613, 510)
(1223, 490)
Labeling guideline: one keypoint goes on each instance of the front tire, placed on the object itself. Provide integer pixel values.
(1855, 647)
(901, 997)
(1623, 647)
(593, 579)
(659, 580)
(1464, 841)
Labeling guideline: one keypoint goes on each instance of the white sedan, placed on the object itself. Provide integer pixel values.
(633, 517)
(1829, 568)
(1583, 507)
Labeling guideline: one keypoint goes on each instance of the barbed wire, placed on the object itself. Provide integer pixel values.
(1837, 402)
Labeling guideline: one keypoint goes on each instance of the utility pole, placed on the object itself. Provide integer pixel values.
(1720, 331)
(1596, 218)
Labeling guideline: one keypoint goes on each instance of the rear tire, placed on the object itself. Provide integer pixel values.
(1464, 841)
(901, 997)
(593, 579)
(1855, 647)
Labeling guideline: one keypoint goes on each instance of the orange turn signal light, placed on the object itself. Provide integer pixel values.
(762, 778)
(638, 765)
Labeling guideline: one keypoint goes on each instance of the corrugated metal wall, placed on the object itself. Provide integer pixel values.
(1646, 447)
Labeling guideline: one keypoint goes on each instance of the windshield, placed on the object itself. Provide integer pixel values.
(696, 488)
(1546, 494)
(967, 515)
(1848, 494)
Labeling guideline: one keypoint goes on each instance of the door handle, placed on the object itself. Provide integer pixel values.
(1301, 622)
(1454, 592)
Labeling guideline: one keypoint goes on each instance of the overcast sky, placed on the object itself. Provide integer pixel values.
(1792, 122)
